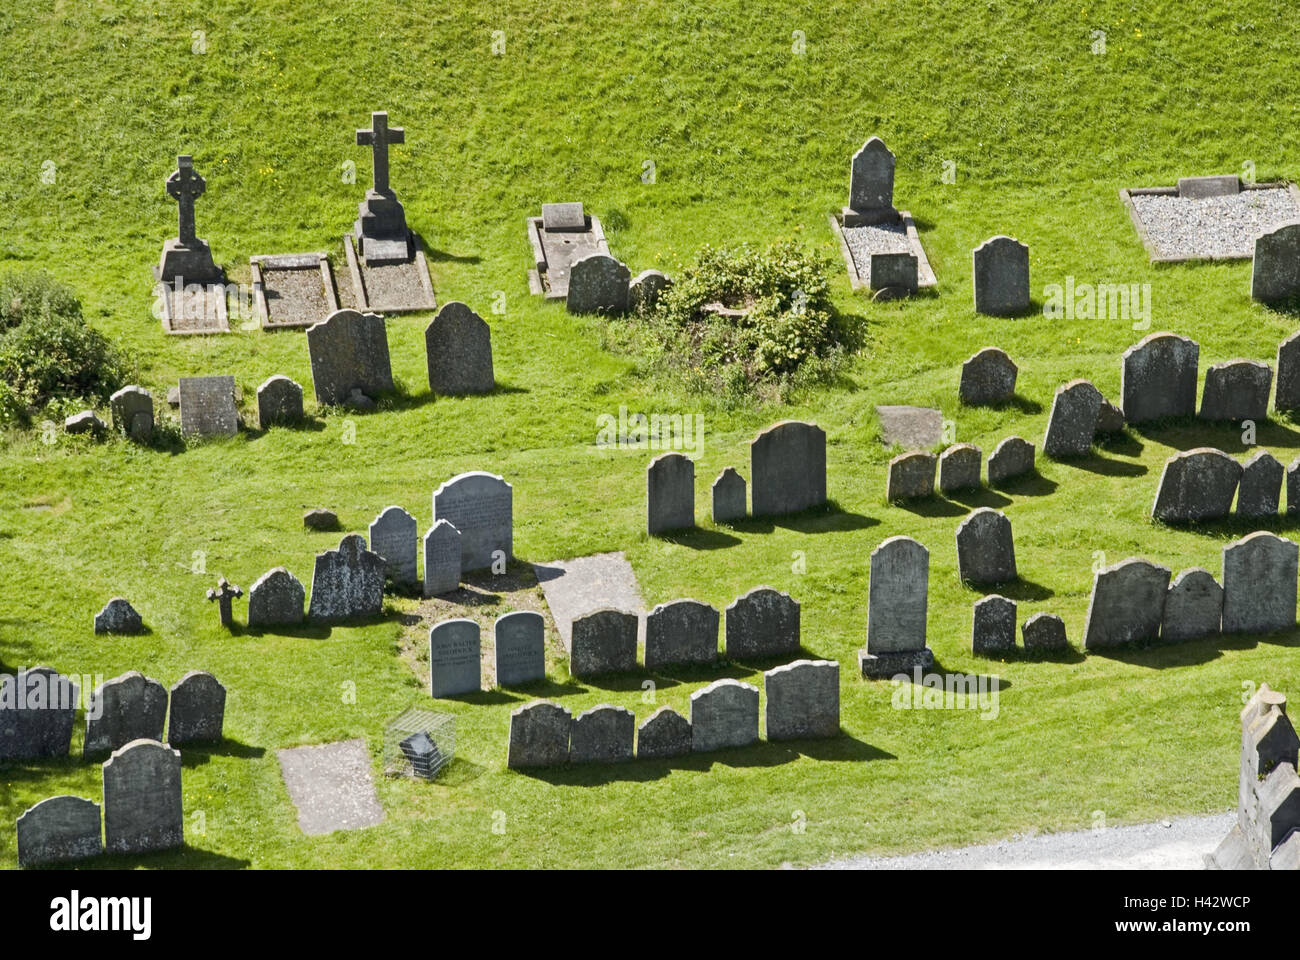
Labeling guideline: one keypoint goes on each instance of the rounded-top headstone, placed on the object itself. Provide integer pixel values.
(197, 709)
(986, 552)
(1001, 273)
(989, 376)
(276, 599)
(118, 616)
(1236, 390)
(787, 469)
(598, 283)
(646, 289)
(1196, 484)
(1127, 604)
(1158, 377)
(481, 506)
(279, 401)
(458, 347)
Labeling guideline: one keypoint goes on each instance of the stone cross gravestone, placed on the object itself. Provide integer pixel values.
(1236, 390)
(1259, 584)
(539, 735)
(458, 350)
(1158, 378)
(988, 377)
(1193, 607)
(349, 351)
(276, 599)
(762, 623)
(1275, 270)
(1001, 272)
(1013, 457)
(787, 468)
(803, 700)
(994, 627)
(603, 641)
(224, 596)
(347, 582)
(670, 493)
(985, 550)
(1073, 421)
(481, 506)
(442, 559)
(723, 715)
(279, 402)
(603, 734)
(197, 710)
(681, 632)
(59, 830)
(208, 407)
(393, 535)
(897, 597)
(598, 283)
(1127, 604)
(37, 712)
(520, 648)
(665, 734)
(142, 799)
(729, 492)
(126, 708)
(455, 657)
(380, 229)
(187, 258)
(1196, 485)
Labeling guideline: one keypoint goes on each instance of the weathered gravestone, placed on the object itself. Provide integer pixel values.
(208, 407)
(142, 799)
(539, 735)
(803, 700)
(442, 559)
(87, 421)
(729, 497)
(598, 283)
(670, 493)
(380, 228)
(897, 596)
(1286, 395)
(455, 657)
(603, 641)
(1013, 457)
(1260, 489)
(1127, 604)
(276, 599)
(1001, 276)
(762, 623)
(603, 734)
(1236, 390)
(279, 402)
(347, 582)
(320, 519)
(724, 714)
(896, 273)
(393, 535)
(197, 709)
(1259, 584)
(1293, 486)
(665, 734)
(349, 351)
(1044, 632)
(186, 257)
(988, 377)
(646, 288)
(911, 476)
(986, 552)
(481, 506)
(126, 708)
(959, 468)
(1193, 607)
(787, 468)
(519, 646)
(224, 596)
(1158, 378)
(1275, 270)
(909, 427)
(681, 632)
(994, 626)
(871, 185)
(458, 349)
(118, 616)
(1196, 485)
(37, 711)
(59, 830)
(564, 216)
(1073, 421)
(1199, 188)
(1110, 419)
(132, 410)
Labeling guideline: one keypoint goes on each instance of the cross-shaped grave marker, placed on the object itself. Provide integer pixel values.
(378, 137)
(186, 186)
(225, 594)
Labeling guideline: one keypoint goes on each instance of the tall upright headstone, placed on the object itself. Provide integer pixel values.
(1260, 490)
(1193, 607)
(519, 645)
(1196, 485)
(455, 658)
(37, 712)
(380, 229)
(988, 377)
(458, 350)
(1158, 377)
(481, 506)
(393, 535)
(126, 708)
(279, 402)
(1001, 276)
(208, 407)
(724, 714)
(603, 641)
(729, 497)
(276, 599)
(1286, 395)
(681, 632)
(670, 493)
(897, 598)
(442, 559)
(197, 709)
(598, 283)
(142, 799)
(762, 623)
(1236, 390)
(539, 735)
(787, 468)
(803, 700)
(871, 185)
(986, 552)
(349, 351)
(1073, 420)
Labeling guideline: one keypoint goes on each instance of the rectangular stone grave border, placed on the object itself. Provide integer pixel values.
(924, 274)
(1127, 194)
(358, 273)
(215, 319)
(538, 285)
(290, 261)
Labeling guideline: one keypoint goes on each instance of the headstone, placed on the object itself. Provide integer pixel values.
(670, 493)
(186, 257)
(142, 799)
(986, 552)
(578, 586)
(320, 519)
(455, 658)
(481, 506)
(519, 640)
(1260, 489)
(539, 735)
(1193, 607)
(225, 596)
(458, 348)
(1198, 188)
(1013, 457)
(909, 427)
(1158, 377)
(645, 290)
(442, 559)
(1259, 584)
(1196, 485)
(1287, 393)
(1001, 269)
(1073, 421)
(988, 377)
(603, 641)
(1110, 419)
(911, 476)
(681, 632)
(132, 410)
(119, 617)
(1236, 390)
(724, 714)
(762, 623)
(897, 597)
(208, 407)
(349, 351)
(1127, 604)
(787, 468)
(380, 228)
(803, 700)
(603, 734)
(37, 711)
(279, 402)
(197, 709)
(87, 421)
(1275, 271)
(1044, 631)
(563, 216)
(126, 708)
(347, 582)
(959, 468)
(665, 734)
(598, 284)
(393, 535)
(871, 184)
(59, 830)
(729, 497)
(276, 600)
(893, 271)
(994, 627)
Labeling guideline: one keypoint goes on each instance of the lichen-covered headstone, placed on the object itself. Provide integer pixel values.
(762, 623)
(442, 559)
(276, 600)
(665, 734)
(519, 645)
(455, 658)
(142, 799)
(349, 351)
(539, 735)
(1236, 390)
(729, 493)
(986, 552)
(897, 599)
(1044, 632)
(911, 476)
(988, 377)
(1286, 394)
(126, 708)
(1158, 377)
(393, 535)
(1275, 270)
(59, 830)
(481, 506)
(871, 185)
(37, 712)
(724, 714)
(1196, 484)
(119, 617)
(645, 290)
(670, 493)
(994, 626)
(208, 407)
(787, 468)
(598, 283)
(347, 582)
(458, 349)
(1013, 457)
(279, 402)
(1193, 607)
(1001, 276)
(803, 700)
(198, 709)
(1259, 584)
(1260, 489)
(959, 468)
(603, 734)
(1127, 604)
(681, 632)
(603, 641)
(1073, 420)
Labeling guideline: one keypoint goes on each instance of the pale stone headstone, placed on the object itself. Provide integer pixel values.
(276, 600)
(986, 552)
(59, 830)
(349, 351)
(670, 493)
(132, 410)
(1275, 270)
(1260, 489)
(645, 290)
(603, 641)
(803, 700)
(1196, 485)
(37, 712)
(988, 377)
(1001, 276)
(897, 597)
(1011, 458)
(347, 582)
(442, 559)
(959, 468)
(393, 535)
(1198, 188)
(787, 468)
(455, 657)
(724, 714)
(208, 407)
(87, 421)
(911, 476)
(1193, 606)
(1259, 584)
(994, 626)
(665, 734)
(871, 183)
(762, 623)
(279, 401)
(118, 616)
(681, 632)
(1158, 377)
(458, 349)
(1236, 390)
(564, 216)
(1127, 604)
(603, 734)
(1286, 394)
(539, 735)
(126, 708)
(598, 283)
(519, 640)
(142, 799)
(481, 506)
(1044, 631)
(729, 492)
(1073, 421)
(198, 709)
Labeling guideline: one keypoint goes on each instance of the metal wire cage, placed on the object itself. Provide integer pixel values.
(419, 743)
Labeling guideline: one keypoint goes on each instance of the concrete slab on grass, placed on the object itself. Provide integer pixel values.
(331, 786)
(583, 584)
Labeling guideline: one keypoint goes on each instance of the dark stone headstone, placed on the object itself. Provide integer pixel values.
(118, 616)
(519, 640)
(911, 476)
(87, 421)
(320, 519)
(276, 600)
(539, 735)
(762, 623)
(198, 709)
(1236, 390)
(1286, 395)
(1044, 631)
(458, 348)
(994, 627)
(871, 185)
(894, 272)
(959, 468)
(1110, 419)
(347, 582)
(422, 753)
(481, 506)
(724, 714)
(598, 284)
(897, 597)
(37, 711)
(1196, 485)
(603, 641)
(279, 402)
(603, 734)
(349, 351)
(1260, 489)
(646, 289)
(1001, 269)
(787, 468)
(142, 799)
(664, 735)
(1275, 271)
(59, 830)
(681, 632)
(986, 552)
(1073, 421)
(670, 493)
(1158, 378)
(455, 658)
(1127, 604)
(1259, 584)
(729, 493)
(1193, 607)
(126, 708)
(988, 377)
(803, 700)
(1011, 458)
(393, 535)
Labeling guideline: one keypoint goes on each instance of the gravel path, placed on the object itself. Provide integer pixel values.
(1213, 226)
(883, 238)
(1166, 845)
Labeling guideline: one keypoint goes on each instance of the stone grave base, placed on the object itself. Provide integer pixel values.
(293, 290)
(391, 287)
(579, 586)
(912, 428)
(195, 309)
(331, 786)
(554, 251)
(1231, 854)
(1219, 220)
(886, 665)
(858, 243)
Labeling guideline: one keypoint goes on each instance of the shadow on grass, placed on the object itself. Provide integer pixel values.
(1123, 443)
(1029, 485)
(434, 255)
(698, 538)
(625, 682)
(1161, 655)
(1188, 433)
(1020, 589)
(1105, 466)
(1070, 654)
(934, 506)
(305, 630)
(186, 857)
(307, 424)
(1235, 526)
(981, 497)
(197, 754)
(1014, 402)
(484, 698)
(826, 518)
(544, 688)
(957, 679)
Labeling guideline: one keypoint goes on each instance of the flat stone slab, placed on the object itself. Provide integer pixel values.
(293, 290)
(859, 243)
(391, 287)
(1176, 228)
(913, 428)
(583, 584)
(331, 786)
(557, 245)
(196, 309)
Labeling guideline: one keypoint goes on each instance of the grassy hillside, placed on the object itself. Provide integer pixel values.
(749, 140)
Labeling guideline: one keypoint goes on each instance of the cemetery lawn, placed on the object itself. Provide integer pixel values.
(749, 141)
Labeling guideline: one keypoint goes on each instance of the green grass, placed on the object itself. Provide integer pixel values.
(750, 142)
